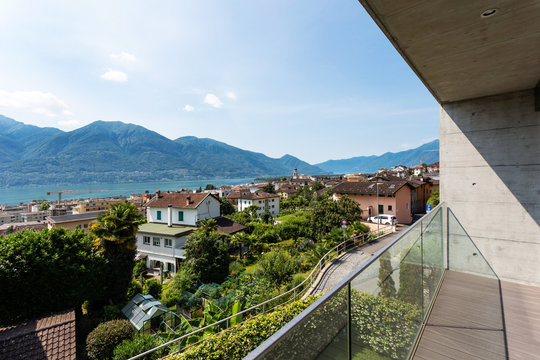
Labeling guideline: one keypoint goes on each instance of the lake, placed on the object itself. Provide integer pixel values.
(16, 194)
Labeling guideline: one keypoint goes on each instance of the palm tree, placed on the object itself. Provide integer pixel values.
(114, 232)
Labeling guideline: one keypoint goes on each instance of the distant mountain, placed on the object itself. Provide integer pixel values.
(429, 153)
(118, 152)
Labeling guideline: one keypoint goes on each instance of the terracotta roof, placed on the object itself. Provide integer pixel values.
(50, 337)
(178, 200)
(258, 196)
(236, 195)
(368, 187)
(227, 226)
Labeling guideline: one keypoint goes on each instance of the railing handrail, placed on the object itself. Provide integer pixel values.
(318, 267)
(299, 319)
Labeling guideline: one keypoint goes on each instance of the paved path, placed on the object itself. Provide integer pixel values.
(344, 265)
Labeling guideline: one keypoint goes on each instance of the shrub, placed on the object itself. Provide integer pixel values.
(139, 344)
(101, 342)
(237, 341)
(235, 268)
(153, 287)
(139, 268)
(134, 289)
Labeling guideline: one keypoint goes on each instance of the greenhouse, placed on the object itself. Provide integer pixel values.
(147, 314)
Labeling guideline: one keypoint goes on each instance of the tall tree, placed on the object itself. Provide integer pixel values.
(328, 214)
(207, 255)
(114, 232)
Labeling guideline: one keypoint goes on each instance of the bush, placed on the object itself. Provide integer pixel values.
(139, 344)
(235, 268)
(237, 341)
(139, 268)
(102, 341)
(153, 287)
(134, 289)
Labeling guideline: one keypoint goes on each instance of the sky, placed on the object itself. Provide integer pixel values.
(314, 79)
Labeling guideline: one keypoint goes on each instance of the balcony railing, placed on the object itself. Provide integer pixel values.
(379, 310)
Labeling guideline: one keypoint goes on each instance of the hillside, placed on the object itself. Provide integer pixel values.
(118, 152)
(429, 153)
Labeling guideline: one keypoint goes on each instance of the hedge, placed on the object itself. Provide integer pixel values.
(238, 341)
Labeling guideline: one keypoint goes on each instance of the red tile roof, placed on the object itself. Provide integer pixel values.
(50, 337)
(178, 200)
(258, 196)
(368, 187)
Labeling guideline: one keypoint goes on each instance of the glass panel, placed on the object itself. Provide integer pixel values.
(463, 255)
(322, 331)
(433, 258)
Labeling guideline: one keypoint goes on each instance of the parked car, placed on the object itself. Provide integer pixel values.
(383, 219)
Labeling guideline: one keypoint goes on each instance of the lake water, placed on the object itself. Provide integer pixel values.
(16, 194)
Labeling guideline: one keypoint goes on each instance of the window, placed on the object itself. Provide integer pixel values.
(180, 216)
(85, 226)
(381, 209)
(157, 241)
(407, 206)
(158, 214)
(272, 206)
(389, 207)
(168, 243)
(146, 240)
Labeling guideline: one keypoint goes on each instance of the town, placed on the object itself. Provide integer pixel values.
(201, 256)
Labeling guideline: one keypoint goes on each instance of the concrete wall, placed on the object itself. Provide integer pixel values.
(490, 167)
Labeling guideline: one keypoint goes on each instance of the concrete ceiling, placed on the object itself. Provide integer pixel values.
(459, 54)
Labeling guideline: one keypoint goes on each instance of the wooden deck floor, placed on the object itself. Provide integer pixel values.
(467, 321)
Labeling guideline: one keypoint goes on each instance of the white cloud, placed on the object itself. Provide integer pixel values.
(231, 95)
(35, 101)
(188, 108)
(68, 123)
(113, 75)
(124, 56)
(213, 100)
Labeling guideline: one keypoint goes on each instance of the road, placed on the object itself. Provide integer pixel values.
(344, 265)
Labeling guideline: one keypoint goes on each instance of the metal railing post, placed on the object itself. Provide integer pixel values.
(349, 322)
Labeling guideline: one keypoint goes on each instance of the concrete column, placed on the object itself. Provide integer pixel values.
(490, 167)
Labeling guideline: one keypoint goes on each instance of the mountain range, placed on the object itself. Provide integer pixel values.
(427, 153)
(118, 152)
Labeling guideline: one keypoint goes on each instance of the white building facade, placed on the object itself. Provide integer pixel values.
(265, 202)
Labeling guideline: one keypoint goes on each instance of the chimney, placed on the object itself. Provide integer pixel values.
(169, 216)
(158, 193)
(188, 200)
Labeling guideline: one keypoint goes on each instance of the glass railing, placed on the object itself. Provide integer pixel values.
(376, 312)
(380, 309)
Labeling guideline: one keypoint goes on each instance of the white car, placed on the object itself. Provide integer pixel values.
(383, 219)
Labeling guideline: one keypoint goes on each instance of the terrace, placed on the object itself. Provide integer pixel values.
(430, 294)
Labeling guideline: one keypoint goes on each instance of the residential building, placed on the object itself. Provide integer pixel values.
(172, 216)
(35, 216)
(393, 198)
(96, 204)
(418, 170)
(265, 202)
(20, 226)
(162, 245)
(185, 209)
(73, 221)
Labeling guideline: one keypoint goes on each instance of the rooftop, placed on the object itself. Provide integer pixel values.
(369, 188)
(178, 200)
(89, 215)
(50, 337)
(164, 229)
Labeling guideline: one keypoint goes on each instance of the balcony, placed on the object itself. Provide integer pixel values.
(429, 294)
